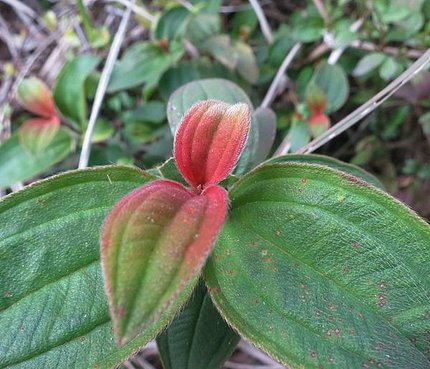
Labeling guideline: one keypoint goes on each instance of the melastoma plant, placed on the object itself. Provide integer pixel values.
(304, 256)
(37, 133)
(163, 232)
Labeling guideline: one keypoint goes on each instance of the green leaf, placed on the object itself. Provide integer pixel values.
(307, 29)
(246, 63)
(319, 269)
(102, 130)
(198, 338)
(389, 69)
(223, 50)
(266, 122)
(53, 307)
(17, 164)
(189, 94)
(243, 20)
(354, 170)
(69, 92)
(144, 62)
(151, 112)
(344, 38)
(299, 135)
(368, 63)
(172, 24)
(201, 27)
(332, 80)
(208, 6)
(169, 170)
(187, 71)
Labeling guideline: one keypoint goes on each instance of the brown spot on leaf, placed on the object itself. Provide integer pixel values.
(337, 332)
(346, 269)
(231, 272)
(382, 285)
(257, 302)
(121, 312)
(7, 294)
(304, 180)
(212, 289)
(313, 354)
(355, 244)
(278, 232)
(353, 179)
(381, 299)
(267, 260)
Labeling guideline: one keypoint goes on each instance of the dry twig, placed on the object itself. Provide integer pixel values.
(101, 88)
(264, 24)
(280, 75)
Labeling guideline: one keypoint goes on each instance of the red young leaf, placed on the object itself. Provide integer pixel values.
(37, 133)
(318, 124)
(316, 100)
(154, 243)
(35, 96)
(210, 140)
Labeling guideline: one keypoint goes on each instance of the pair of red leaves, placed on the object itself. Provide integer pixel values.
(37, 133)
(156, 240)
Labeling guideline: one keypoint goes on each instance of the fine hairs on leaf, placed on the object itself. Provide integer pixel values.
(225, 251)
(164, 226)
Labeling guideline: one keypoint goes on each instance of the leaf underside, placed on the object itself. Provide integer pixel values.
(322, 270)
(198, 337)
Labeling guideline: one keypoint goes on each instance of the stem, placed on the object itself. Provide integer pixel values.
(101, 88)
(264, 25)
(86, 20)
(270, 95)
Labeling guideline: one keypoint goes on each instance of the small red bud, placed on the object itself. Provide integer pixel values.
(210, 140)
(35, 96)
(318, 124)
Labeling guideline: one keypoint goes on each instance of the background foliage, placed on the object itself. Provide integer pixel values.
(349, 50)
